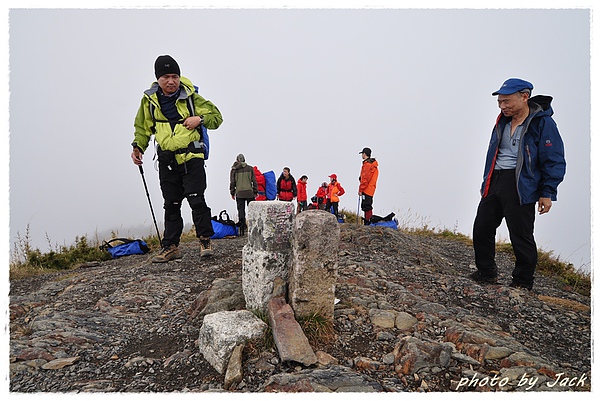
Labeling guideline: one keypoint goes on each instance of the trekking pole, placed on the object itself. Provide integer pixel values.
(150, 202)
(358, 210)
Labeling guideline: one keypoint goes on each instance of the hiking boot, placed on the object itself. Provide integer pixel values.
(169, 252)
(479, 278)
(242, 228)
(516, 284)
(205, 247)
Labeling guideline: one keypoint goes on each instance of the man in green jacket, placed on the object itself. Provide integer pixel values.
(172, 112)
(243, 188)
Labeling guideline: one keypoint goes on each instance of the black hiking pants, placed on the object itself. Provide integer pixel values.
(502, 202)
(366, 203)
(241, 209)
(177, 182)
(332, 207)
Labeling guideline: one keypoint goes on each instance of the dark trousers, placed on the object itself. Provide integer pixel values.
(241, 209)
(366, 203)
(503, 202)
(302, 206)
(176, 183)
(332, 207)
(366, 206)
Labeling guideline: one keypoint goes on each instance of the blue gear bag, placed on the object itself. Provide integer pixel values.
(126, 247)
(270, 185)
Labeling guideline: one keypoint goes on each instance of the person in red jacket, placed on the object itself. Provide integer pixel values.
(286, 186)
(368, 182)
(260, 181)
(302, 197)
(322, 196)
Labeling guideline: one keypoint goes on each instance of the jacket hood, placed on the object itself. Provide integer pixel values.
(372, 161)
(187, 84)
(238, 165)
(542, 101)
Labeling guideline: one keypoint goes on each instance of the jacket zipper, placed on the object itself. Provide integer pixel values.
(529, 160)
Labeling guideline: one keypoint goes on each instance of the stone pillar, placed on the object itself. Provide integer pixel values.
(268, 252)
(313, 274)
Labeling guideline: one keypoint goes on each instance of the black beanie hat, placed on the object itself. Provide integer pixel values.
(165, 65)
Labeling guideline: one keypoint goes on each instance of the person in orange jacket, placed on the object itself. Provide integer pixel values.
(334, 191)
(368, 182)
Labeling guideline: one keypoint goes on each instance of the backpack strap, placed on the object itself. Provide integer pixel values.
(155, 120)
(201, 130)
(193, 147)
(223, 212)
(107, 244)
(190, 104)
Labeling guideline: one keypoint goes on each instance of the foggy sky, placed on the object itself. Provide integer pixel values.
(304, 88)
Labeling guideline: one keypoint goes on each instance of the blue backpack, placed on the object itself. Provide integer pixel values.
(204, 140)
(126, 247)
(390, 224)
(387, 221)
(223, 226)
(270, 185)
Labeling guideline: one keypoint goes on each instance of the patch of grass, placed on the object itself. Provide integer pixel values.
(551, 266)
(267, 342)
(317, 329)
(548, 264)
(351, 217)
(440, 233)
(27, 260)
(565, 303)
(154, 243)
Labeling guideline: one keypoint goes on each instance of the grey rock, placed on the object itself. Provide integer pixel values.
(222, 331)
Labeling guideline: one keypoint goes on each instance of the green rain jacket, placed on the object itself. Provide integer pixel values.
(179, 138)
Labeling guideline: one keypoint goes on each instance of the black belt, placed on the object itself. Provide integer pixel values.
(505, 171)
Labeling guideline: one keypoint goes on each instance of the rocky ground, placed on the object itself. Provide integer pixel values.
(408, 319)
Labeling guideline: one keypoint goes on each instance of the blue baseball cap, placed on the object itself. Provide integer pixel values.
(513, 85)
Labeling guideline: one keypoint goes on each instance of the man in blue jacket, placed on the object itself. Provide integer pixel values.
(524, 165)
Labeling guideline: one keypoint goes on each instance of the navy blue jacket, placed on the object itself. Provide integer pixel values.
(541, 162)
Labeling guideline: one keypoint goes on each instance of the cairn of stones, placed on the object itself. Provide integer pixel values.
(289, 270)
(301, 250)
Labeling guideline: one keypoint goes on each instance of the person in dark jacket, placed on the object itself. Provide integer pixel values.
(286, 186)
(525, 163)
(243, 188)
